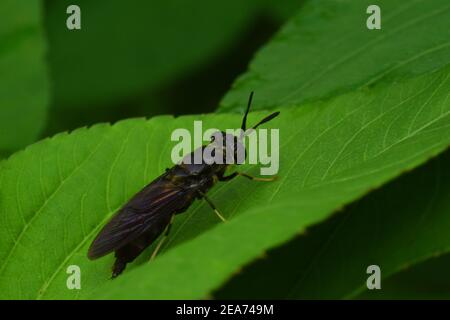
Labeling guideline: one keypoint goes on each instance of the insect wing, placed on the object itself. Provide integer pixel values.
(149, 206)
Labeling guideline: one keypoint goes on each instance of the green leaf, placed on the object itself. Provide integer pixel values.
(124, 51)
(398, 226)
(23, 80)
(427, 280)
(56, 194)
(327, 49)
(322, 52)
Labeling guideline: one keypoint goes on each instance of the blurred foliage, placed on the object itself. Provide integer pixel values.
(23, 76)
(151, 57)
(427, 280)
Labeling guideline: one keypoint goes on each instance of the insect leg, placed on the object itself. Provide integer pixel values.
(163, 238)
(204, 196)
(228, 178)
(234, 174)
(256, 178)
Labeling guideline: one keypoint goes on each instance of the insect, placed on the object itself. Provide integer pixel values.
(151, 211)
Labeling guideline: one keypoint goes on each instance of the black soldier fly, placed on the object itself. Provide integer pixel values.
(151, 211)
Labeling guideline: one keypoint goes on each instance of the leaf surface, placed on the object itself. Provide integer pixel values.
(326, 49)
(57, 194)
(395, 228)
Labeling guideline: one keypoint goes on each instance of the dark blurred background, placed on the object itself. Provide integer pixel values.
(150, 57)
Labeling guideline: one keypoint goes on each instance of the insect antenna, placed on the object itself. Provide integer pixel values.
(244, 120)
(266, 119)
